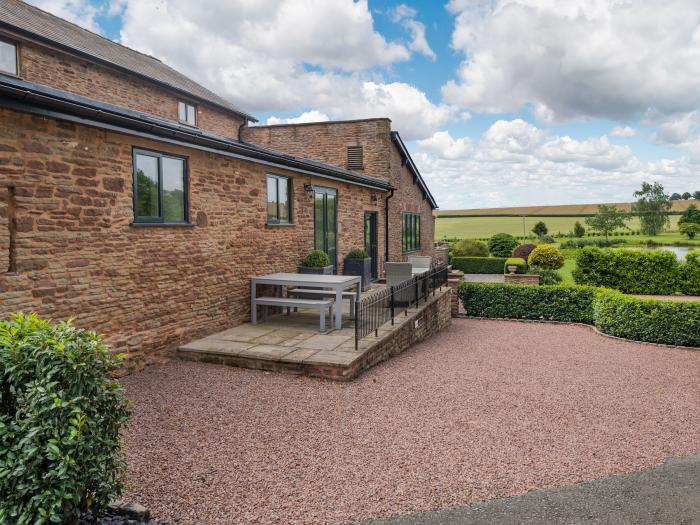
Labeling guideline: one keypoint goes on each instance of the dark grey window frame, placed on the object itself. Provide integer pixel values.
(16, 46)
(410, 243)
(290, 199)
(187, 105)
(160, 221)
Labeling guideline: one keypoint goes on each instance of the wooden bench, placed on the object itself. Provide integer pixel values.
(289, 302)
(313, 292)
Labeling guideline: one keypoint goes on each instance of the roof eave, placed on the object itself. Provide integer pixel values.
(396, 138)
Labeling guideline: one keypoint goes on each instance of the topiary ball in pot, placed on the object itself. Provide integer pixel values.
(502, 245)
(60, 421)
(316, 262)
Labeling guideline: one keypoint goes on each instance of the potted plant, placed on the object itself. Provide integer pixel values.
(357, 262)
(316, 261)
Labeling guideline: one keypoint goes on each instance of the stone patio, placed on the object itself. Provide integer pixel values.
(293, 343)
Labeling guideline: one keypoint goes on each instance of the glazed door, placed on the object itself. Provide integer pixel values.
(325, 222)
(371, 240)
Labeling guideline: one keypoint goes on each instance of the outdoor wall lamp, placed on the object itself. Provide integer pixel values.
(309, 189)
(374, 198)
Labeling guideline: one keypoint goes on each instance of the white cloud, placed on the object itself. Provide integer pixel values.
(623, 131)
(515, 163)
(677, 130)
(406, 16)
(577, 58)
(307, 116)
(444, 146)
(284, 55)
(80, 12)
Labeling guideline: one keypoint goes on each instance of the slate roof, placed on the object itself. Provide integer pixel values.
(40, 25)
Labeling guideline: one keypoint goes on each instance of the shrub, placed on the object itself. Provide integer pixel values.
(502, 245)
(357, 253)
(540, 229)
(316, 259)
(629, 271)
(600, 243)
(691, 215)
(547, 239)
(547, 276)
(689, 274)
(650, 320)
(524, 250)
(654, 321)
(516, 261)
(546, 257)
(579, 230)
(519, 301)
(60, 417)
(689, 229)
(470, 248)
(479, 264)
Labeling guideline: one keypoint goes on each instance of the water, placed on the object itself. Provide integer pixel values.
(679, 251)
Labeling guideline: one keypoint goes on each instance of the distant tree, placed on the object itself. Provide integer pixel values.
(502, 245)
(470, 248)
(607, 220)
(691, 215)
(652, 206)
(687, 195)
(676, 197)
(540, 229)
(696, 195)
(579, 230)
(689, 229)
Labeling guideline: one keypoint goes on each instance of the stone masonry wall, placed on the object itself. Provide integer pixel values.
(328, 141)
(50, 67)
(149, 289)
(4, 230)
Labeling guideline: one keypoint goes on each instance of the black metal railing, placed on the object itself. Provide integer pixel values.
(381, 307)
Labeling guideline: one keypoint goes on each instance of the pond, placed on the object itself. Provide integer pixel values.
(679, 251)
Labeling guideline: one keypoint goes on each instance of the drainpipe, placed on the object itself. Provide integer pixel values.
(240, 130)
(386, 227)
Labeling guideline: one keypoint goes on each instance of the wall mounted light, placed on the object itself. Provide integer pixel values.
(309, 189)
(374, 198)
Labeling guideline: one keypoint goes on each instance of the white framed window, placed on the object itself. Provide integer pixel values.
(187, 113)
(8, 57)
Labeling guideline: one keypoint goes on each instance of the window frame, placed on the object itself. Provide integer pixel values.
(160, 220)
(16, 46)
(278, 178)
(187, 106)
(410, 232)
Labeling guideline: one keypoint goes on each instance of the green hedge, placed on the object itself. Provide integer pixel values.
(689, 274)
(479, 264)
(613, 313)
(629, 271)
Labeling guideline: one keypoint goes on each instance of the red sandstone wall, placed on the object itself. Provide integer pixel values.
(148, 289)
(57, 69)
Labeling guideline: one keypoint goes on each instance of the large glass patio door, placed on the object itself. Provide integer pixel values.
(325, 222)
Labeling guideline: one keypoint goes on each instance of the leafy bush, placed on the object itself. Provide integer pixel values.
(600, 243)
(689, 274)
(547, 239)
(524, 250)
(502, 245)
(579, 230)
(689, 229)
(547, 276)
(357, 253)
(691, 215)
(540, 229)
(470, 248)
(316, 259)
(546, 257)
(629, 271)
(479, 264)
(516, 261)
(654, 321)
(60, 416)
(520, 301)
(669, 322)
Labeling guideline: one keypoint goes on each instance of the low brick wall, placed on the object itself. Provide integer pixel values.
(522, 279)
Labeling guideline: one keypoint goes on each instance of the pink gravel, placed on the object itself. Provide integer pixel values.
(483, 410)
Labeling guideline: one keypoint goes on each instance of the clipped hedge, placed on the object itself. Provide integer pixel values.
(479, 264)
(611, 312)
(629, 271)
(518, 301)
(689, 274)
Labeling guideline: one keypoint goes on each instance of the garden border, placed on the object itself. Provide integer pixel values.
(592, 327)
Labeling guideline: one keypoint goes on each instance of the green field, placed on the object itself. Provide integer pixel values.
(480, 227)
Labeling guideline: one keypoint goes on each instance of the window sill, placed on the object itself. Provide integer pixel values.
(279, 224)
(162, 225)
(412, 251)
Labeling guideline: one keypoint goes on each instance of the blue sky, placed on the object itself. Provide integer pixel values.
(502, 102)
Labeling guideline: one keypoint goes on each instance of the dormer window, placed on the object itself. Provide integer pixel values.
(8, 58)
(187, 113)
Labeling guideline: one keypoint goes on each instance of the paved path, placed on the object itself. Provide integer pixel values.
(668, 494)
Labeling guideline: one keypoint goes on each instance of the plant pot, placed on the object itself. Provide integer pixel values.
(512, 268)
(322, 270)
(360, 267)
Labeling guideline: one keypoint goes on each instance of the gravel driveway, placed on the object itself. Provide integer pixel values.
(483, 410)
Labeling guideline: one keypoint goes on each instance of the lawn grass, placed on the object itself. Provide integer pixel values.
(565, 271)
(480, 227)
